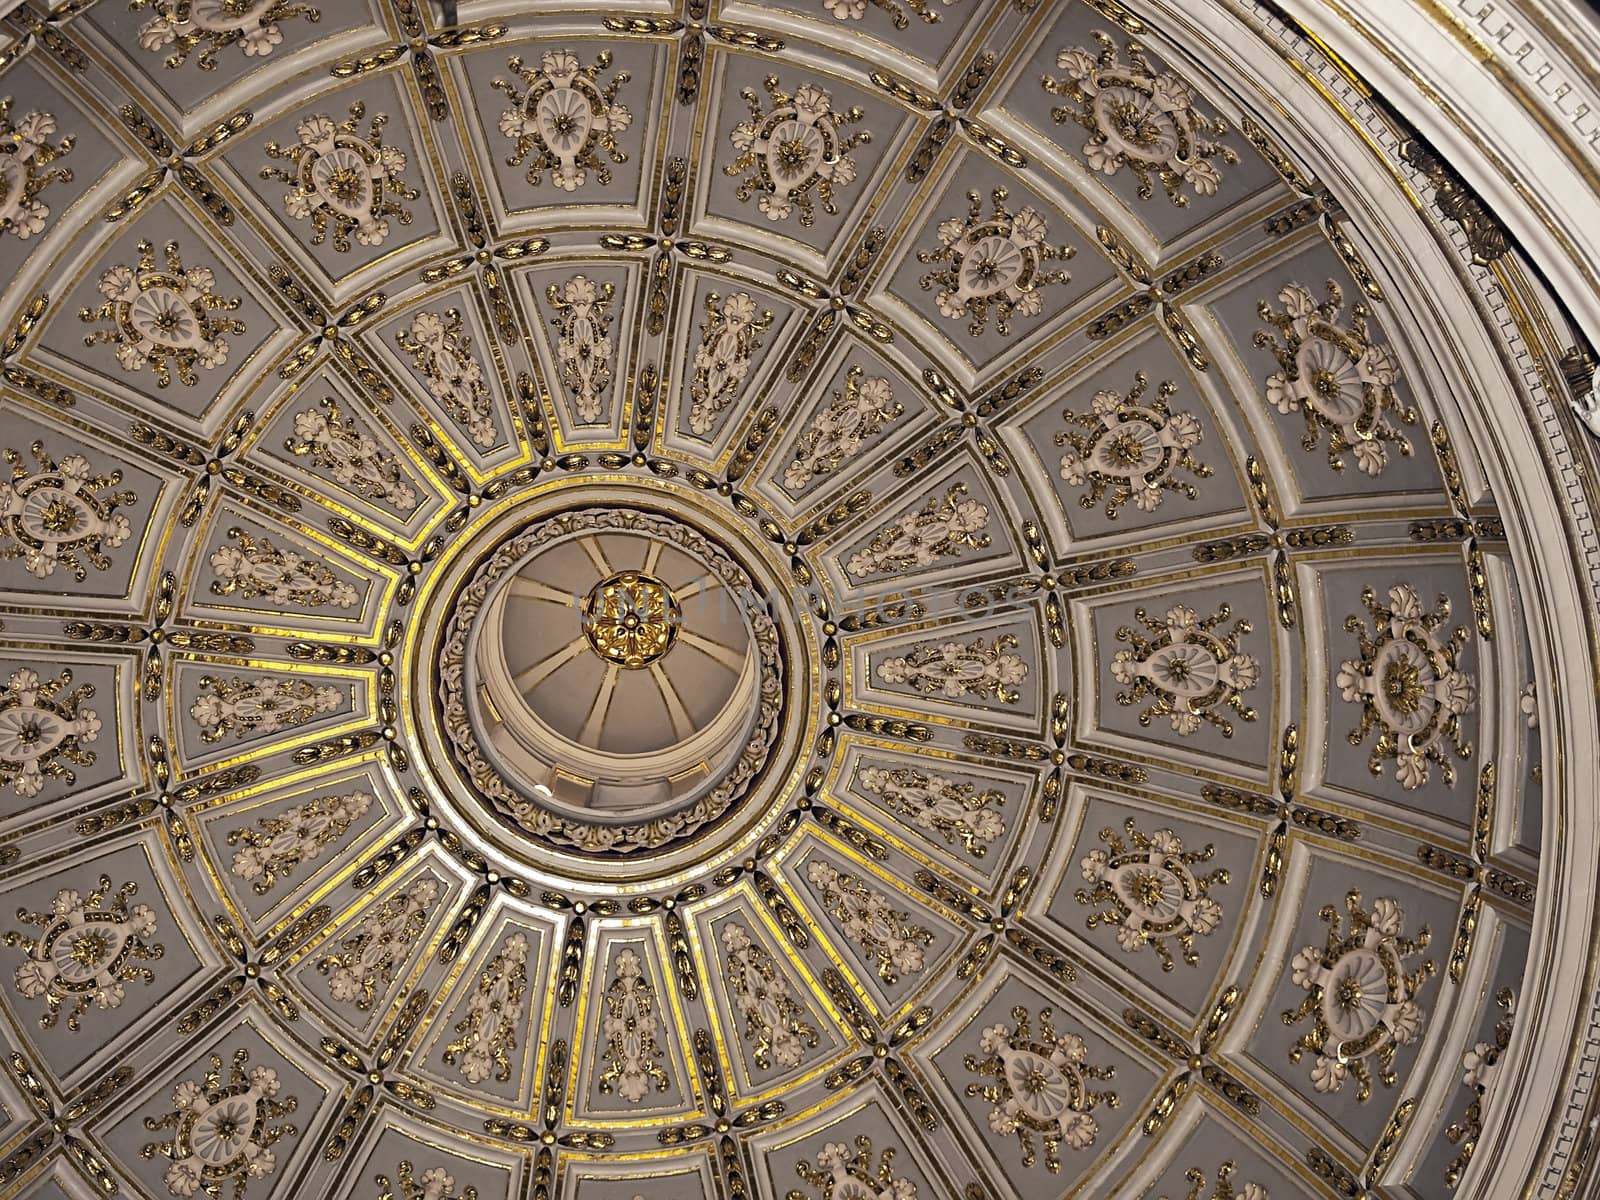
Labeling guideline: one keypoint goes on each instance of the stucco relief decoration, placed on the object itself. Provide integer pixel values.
(1336, 377)
(944, 527)
(1360, 998)
(263, 705)
(1480, 1069)
(774, 1024)
(61, 514)
(366, 959)
(342, 179)
(1202, 1187)
(1131, 450)
(443, 353)
(1042, 1086)
(1410, 686)
(631, 1027)
(162, 316)
(223, 1131)
(729, 336)
(796, 148)
(88, 947)
(1191, 668)
(26, 157)
(486, 1034)
(886, 935)
(1140, 118)
(954, 810)
(1148, 889)
(277, 845)
(564, 119)
(44, 727)
(183, 25)
(983, 669)
(254, 568)
(842, 1173)
(435, 1183)
(583, 345)
(334, 441)
(837, 434)
(993, 266)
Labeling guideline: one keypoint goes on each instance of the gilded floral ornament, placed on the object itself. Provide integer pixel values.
(336, 443)
(1480, 1068)
(222, 1132)
(342, 179)
(436, 1184)
(88, 948)
(1131, 450)
(255, 568)
(162, 316)
(1042, 1086)
(993, 265)
(262, 705)
(856, 414)
(854, 10)
(797, 148)
(583, 345)
(252, 25)
(277, 845)
(774, 1023)
(60, 514)
(729, 336)
(885, 934)
(840, 1174)
(944, 527)
(44, 727)
(1191, 668)
(1148, 889)
(1360, 998)
(486, 1035)
(632, 1029)
(986, 670)
(564, 119)
(443, 353)
(1201, 1188)
(1410, 686)
(384, 939)
(957, 811)
(1336, 376)
(26, 155)
(1140, 118)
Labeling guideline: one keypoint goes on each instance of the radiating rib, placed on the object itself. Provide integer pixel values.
(602, 701)
(532, 589)
(682, 726)
(530, 677)
(725, 656)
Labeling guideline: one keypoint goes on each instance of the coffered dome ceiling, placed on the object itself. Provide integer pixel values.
(804, 599)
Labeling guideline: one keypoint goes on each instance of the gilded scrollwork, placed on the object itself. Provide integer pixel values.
(794, 148)
(944, 527)
(183, 25)
(44, 726)
(729, 336)
(443, 353)
(564, 118)
(1480, 1069)
(342, 179)
(61, 513)
(88, 946)
(842, 1173)
(223, 1130)
(1148, 889)
(886, 934)
(1360, 998)
(28, 168)
(1188, 670)
(1139, 117)
(631, 1026)
(773, 1022)
(983, 669)
(839, 431)
(367, 958)
(1336, 376)
(1042, 1085)
(245, 707)
(583, 343)
(956, 810)
(333, 441)
(277, 845)
(1202, 1187)
(993, 265)
(162, 316)
(1130, 449)
(435, 1183)
(253, 568)
(1410, 686)
(486, 1034)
